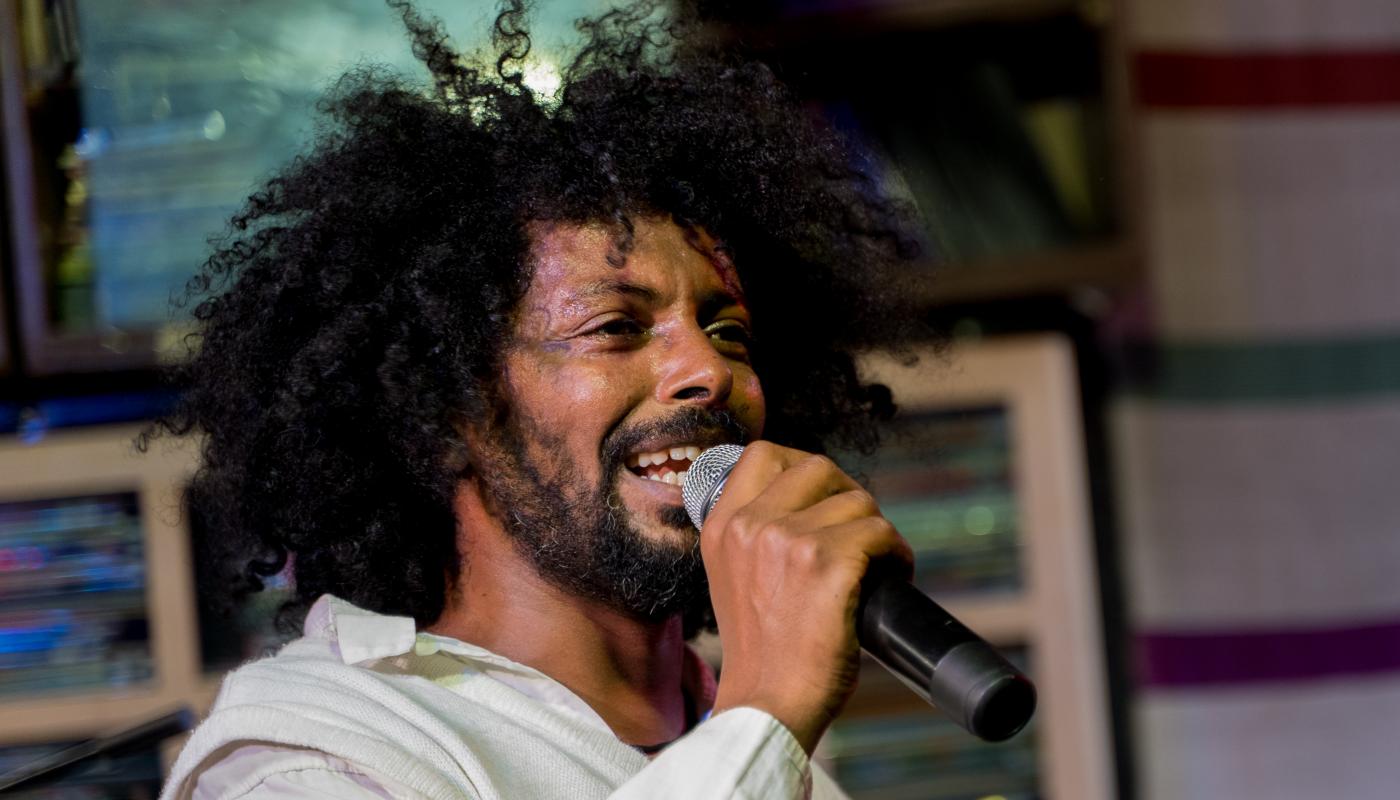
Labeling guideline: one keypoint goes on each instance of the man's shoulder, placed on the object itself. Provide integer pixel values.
(310, 658)
(306, 698)
(310, 673)
(254, 770)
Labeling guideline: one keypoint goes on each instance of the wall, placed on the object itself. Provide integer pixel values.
(1256, 468)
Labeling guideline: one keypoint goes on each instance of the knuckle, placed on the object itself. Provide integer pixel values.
(772, 534)
(863, 502)
(763, 537)
(807, 552)
(885, 533)
(743, 525)
(761, 450)
(885, 528)
(819, 463)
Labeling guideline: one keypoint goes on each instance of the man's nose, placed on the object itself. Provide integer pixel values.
(693, 371)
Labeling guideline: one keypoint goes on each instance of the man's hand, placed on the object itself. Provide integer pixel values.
(785, 549)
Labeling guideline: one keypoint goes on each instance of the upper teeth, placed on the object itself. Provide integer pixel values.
(679, 453)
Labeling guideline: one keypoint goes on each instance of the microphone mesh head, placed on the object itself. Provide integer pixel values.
(705, 480)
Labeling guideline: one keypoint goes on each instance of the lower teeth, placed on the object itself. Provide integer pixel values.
(672, 478)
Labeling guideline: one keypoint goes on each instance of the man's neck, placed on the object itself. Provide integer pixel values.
(629, 672)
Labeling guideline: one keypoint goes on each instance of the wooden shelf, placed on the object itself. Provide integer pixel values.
(1055, 614)
(98, 461)
(1112, 265)
(832, 50)
(1003, 620)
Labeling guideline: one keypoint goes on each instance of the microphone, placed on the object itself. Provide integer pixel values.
(910, 635)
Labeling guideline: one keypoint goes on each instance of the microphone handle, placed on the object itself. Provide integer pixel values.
(942, 661)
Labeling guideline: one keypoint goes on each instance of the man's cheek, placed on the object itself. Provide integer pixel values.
(747, 402)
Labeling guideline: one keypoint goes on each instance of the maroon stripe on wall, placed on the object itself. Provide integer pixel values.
(1268, 80)
(1228, 658)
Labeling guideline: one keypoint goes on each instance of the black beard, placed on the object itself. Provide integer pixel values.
(579, 538)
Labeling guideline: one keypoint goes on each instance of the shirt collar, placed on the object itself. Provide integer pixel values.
(359, 635)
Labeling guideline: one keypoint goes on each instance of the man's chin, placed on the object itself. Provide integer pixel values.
(667, 526)
(655, 509)
(676, 519)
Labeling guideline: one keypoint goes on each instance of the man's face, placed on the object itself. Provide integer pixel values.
(616, 377)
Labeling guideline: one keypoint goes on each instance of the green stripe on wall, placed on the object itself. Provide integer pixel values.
(1268, 372)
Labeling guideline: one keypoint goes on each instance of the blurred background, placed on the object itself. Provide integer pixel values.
(1157, 466)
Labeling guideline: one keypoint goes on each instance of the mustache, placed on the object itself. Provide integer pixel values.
(689, 424)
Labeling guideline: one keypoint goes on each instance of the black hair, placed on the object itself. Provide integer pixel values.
(354, 315)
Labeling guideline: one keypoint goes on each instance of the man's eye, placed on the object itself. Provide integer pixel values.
(730, 332)
(618, 327)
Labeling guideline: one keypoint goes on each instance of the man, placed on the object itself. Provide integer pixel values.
(451, 369)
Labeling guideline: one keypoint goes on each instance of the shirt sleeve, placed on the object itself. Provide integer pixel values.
(742, 753)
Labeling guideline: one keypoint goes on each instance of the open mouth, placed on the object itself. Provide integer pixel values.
(668, 465)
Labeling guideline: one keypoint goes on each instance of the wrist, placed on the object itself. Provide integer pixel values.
(807, 728)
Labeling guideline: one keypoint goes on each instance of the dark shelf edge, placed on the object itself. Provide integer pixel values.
(1112, 265)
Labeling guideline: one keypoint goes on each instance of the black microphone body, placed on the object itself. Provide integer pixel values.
(927, 648)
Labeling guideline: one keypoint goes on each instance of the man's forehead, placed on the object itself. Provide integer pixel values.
(580, 261)
(564, 243)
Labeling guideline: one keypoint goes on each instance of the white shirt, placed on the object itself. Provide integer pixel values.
(364, 706)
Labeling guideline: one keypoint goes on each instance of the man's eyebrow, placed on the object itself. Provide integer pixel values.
(602, 288)
(718, 300)
(710, 304)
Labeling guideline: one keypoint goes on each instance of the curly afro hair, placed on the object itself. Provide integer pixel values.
(355, 313)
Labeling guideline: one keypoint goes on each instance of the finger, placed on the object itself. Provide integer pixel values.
(761, 463)
(873, 537)
(844, 506)
(776, 486)
(866, 544)
(889, 554)
(807, 482)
